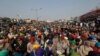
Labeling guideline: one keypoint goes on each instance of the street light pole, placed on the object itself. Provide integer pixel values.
(36, 11)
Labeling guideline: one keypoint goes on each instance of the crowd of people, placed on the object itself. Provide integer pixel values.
(50, 40)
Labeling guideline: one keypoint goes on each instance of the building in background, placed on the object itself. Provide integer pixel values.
(93, 18)
(90, 16)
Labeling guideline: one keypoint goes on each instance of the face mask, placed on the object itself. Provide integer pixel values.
(50, 48)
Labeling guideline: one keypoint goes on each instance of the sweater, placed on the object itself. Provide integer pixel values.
(84, 50)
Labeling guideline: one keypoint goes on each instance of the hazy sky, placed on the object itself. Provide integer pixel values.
(51, 9)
